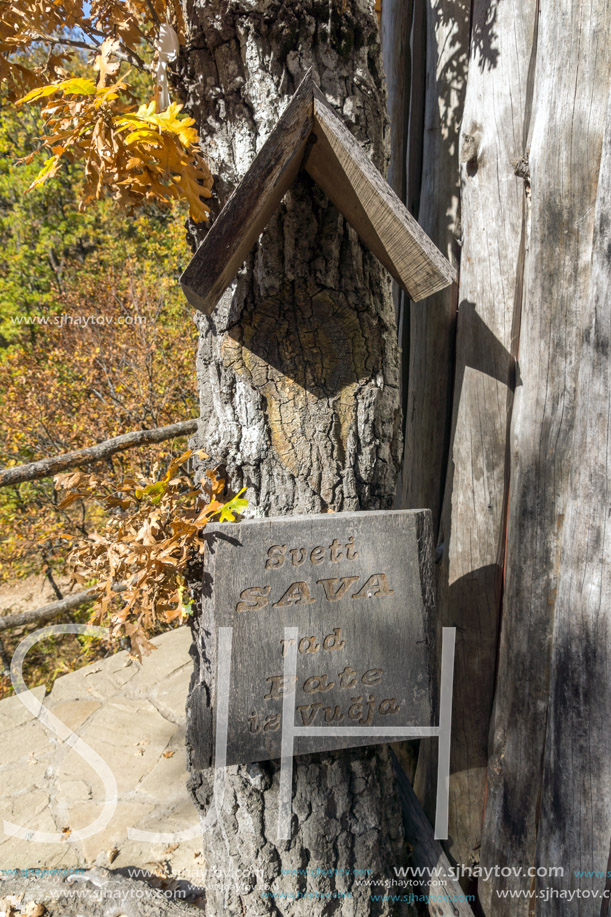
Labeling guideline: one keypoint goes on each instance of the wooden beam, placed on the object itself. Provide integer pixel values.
(338, 164)
(246, 213)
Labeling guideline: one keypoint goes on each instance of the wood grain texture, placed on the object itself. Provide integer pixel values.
(569, 103)
(428, 855)
(246, 213)
(432, 328)
(358, 586)
(395, 28)
(338, 164)
(576, 800)
(472, 525)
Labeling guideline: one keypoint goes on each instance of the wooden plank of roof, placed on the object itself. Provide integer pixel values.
(246, 213)
(338, 164)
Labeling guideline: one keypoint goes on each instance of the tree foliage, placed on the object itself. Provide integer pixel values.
(72, 59)
(75, 384)
(153, 535)
(95, 338)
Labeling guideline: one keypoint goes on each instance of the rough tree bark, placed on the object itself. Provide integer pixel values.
(298, 374)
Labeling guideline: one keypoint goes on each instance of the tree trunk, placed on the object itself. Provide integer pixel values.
(298, 375)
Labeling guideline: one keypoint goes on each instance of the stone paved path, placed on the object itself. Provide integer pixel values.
(132, 715)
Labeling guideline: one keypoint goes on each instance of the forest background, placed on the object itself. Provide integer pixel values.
(95, 339)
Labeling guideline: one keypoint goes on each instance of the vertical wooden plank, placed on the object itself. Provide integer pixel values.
(428, 856)
(432, 325)
(395, 36)
(569, 102)
(576, 803)
(395, 33)
(470, 572)
(415, 133)
(395, 28)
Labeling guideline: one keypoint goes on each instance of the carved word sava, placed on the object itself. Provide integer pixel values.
(253, 598)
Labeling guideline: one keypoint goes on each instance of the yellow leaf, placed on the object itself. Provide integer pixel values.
(77, 86)
(48, 170)
(39, 93)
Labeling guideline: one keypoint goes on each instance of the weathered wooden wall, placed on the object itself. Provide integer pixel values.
(576, 798)
(472, 522)
(569, 97)
(523, 562)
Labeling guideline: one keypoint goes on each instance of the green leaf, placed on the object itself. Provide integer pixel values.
(237, 504)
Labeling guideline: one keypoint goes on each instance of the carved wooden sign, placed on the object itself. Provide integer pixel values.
(357, 587)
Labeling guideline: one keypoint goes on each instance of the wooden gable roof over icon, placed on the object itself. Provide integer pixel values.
(309, 135)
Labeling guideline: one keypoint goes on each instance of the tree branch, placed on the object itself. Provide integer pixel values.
(153, 13)
(127, 54)
(47, 467)
(71, 42)
(53, 609)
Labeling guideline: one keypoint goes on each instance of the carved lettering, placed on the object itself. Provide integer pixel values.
(351, 554)
(333, 592)
(357, 712)
(318, 555)
(296, 594)
(280, 686)
(317, 683)
(333, 715)
(302, 556)
(389, 705)
(372, 677)
(347, 678)
(253, 598)
(308, 645)
(275, 556)
(334, 641)
(375, 585)
(335, 551)
(285, 645)
(311, 714)
(272, 723)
